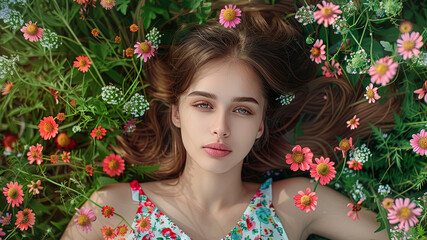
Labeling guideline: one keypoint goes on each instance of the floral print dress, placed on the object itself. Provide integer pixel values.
(259, 221)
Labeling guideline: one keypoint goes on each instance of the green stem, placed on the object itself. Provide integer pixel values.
(315, 185)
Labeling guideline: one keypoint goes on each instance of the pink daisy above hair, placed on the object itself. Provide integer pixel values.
(332, 71)
(144, 49)
(327, 13)
(35, 154)
(419, 142)
(306, 201)
(383, 71)
(83, 63)
(409, 44)
(300, 158)
(84, 218)
(318, 51)
(372, 93)
(13, 193)
(355, 208)
(48, 128)
(353, 123)
(355, 164)
(32, 32)
(113, 165)
(323, 170)
(422, 92)
(404, 212)
(229, 16)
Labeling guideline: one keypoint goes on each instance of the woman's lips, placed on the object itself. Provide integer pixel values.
(216, 153)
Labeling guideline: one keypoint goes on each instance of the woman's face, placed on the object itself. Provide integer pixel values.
(224, 105)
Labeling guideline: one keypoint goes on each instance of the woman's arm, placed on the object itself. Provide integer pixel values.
(117, 196)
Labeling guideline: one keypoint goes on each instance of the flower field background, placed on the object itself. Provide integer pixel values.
(71, 76)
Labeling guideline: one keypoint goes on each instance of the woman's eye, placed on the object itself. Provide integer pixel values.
(202, 105)
(243, 111)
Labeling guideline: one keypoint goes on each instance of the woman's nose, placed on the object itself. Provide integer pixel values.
(220, 125)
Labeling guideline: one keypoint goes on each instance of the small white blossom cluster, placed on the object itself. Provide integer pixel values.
(76, 129)
(361, 154)
(136, 105)
(50, 39)
(384, 190)
(421, 59)
(382, 8)
(154, 37)
(305, 15)
(399, 234)
(348, 9)
(6, 66)
(358, 191)
(341, 25)
(286, 99)
(9, 16)
(358, 62)
(347, 172)
(112, 95)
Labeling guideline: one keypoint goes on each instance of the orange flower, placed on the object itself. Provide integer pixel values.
(13, 193)
(129, 52)
(54, 158)
(95, 32)
(355, 164)
(89, 169)
(83, 63)
(98, 133)
(65, 156)
(143, 224)
(73, 102)
(405, 27)
(113, 165)
(60, 117)
(122, 230)
(108, 233)
(388, 203)
(25, 218)
(35, 154)
(7, 87)
(48, 128)
(133, 28)
(107, 211)
(63, 141)
(117, 39)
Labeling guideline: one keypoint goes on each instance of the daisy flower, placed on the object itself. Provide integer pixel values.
(405, 27)
(306, 201)
(7, 87)
(327, 13)
(355, 208)
(32, 32)
(133, 28)
(387, 203)
(144, 49)
(229, 16)
(108, 233)
(107, 211)
(35, 154)
(98, 132)
(48, 128)
(60, 117)
(83, 63)
(65, 156)
(333, 71)
(25, 218)
(84, 218)
(345, 145)
(108, 4)
(122, 230)
(422, 92)
(409, 44)
(54, 158)
(130, 126)
(419, 142)
(35, 187)
(143, 224)
(383, 71)
(353, 123)
(5, 220)
(318, 51)
(63, 141)
(323, 170)
(404, 213)
(129, 52)
(300, 158)
(89, 169)
(113, 165)
(372, 93)
(355, 164)
(13, 193)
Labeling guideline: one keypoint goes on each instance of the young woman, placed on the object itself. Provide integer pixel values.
(215, 125)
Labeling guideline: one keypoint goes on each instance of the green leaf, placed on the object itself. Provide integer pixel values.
(102, 181)
(38, 207)
(203, 12)
(387, 46)
(99, 105)
(102, 148)
(122, 5)
(191, 4)
(60, 224)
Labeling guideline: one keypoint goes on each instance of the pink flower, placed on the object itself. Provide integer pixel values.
(35, 187)
(332, 71)
(355, 208)
(345, 145)
(306, 201)
(25, 219)
(318, 51)
(323, 170)
(419, 142)
(84, 219)
(108, 4)
(48, 128)
(383, 71)
(35, 154)
(409, 44)
(229, 16)
(371, 93)
(422, 92)
(353, 123)
(32, 32)
(403, 211)
(113, 165)
(83, 63)
(13, 193)
(326, 13)
(300, 158)
(144, 49)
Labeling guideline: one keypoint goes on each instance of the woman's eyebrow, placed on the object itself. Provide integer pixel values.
(213, 96)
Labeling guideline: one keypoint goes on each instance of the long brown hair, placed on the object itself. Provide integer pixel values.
(276, 50)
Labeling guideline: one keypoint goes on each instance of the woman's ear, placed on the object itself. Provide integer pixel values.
(261, 130)
(175, 116)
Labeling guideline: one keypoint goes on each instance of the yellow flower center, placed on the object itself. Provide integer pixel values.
(113, 165)
(32, 29)
(8, 87)
(306, 200)
(382, 68)
(344, 145)
(63, 140)
(13, 193)
(298, 157)
(422, 142)
(5, 220)
(327, 11)
(98, 133)
(404, 213)
(352, 121)
(143, 223)
(35, 154)
(315, 52)
(108, 211)
(129, 52)
(123, 231)
(83, 63)
(35, 185)
(145, 48)
(229, 14)
(54, 158)
(48, 127)
(322, 169)
(108, 232)
(370, 93)
(409, 45)
(83, 220)
(405, 28)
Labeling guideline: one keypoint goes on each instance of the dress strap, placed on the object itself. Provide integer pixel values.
(135, 190)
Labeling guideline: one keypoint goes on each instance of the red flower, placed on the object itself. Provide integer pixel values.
(108, 233)
(323, 170)
(89, 169)
(306, 201)
(117, 39)
(54, 158)
(113, 165)
(82, 63)
(60, 116)
(122, 230)
(95, 32)
(143, 224)
(8, 140)
(355, 164)
(133, 28)
(107, 211)
(63, 141)
(48, 128)
(98, 133)
(355, 208)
